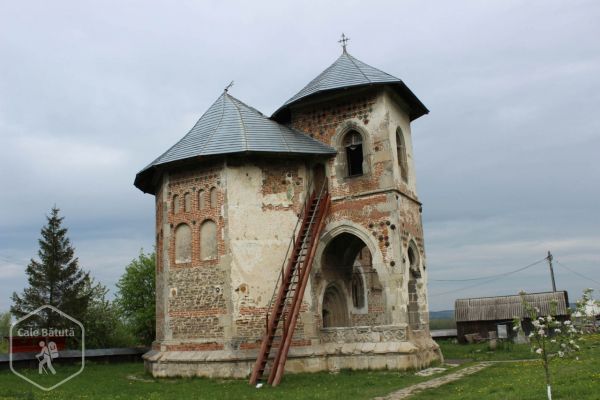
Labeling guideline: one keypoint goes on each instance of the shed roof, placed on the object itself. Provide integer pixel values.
(347, 72)
(508, 307)
(230, 126)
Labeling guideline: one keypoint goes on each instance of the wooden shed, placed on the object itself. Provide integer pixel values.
(484, 314)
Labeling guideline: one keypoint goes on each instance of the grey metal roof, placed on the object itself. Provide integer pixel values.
(508, 307)
(348, 71)
(230, 126)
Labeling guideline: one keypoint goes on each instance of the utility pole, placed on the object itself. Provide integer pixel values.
(549, 258)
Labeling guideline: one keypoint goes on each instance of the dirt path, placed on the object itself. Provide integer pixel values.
(433, 383)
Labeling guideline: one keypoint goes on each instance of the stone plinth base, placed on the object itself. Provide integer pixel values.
(414, 354)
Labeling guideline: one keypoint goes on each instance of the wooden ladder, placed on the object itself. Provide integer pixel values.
(289, 290)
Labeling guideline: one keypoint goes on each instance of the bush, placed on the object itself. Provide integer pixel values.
(136, 297)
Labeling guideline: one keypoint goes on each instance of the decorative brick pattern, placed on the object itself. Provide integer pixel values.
(363, 334)
(321, 122)
(194, 347)
(193, 182)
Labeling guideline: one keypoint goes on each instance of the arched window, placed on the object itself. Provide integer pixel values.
(414, 317)
(401, 153)
(213, 197)
(354, 153)
(183, 244)
(414, 259)
(187, 202)
(358, 289)
(208, 240)
(201, 200)
(176, 205)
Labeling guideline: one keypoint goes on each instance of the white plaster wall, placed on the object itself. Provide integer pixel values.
(258, 239)
(398, 117)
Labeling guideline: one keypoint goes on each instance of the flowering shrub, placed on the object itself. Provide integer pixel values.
(586, 309)
(550, 338)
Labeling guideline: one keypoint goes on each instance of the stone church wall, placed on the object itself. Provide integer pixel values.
(264, 200)
(380, 202)
(192, 293)
(213, 306)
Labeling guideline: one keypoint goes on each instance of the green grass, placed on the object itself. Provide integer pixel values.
(482, 352)
(572, 380)
(503, 381)
(3, 345)
(129, 381)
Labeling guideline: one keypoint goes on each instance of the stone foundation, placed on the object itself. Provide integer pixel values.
(376, 352)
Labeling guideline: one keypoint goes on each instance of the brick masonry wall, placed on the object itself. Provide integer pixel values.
(193, 182)
(323, 121)
(196, 290)
(367, 212)
(196, 301)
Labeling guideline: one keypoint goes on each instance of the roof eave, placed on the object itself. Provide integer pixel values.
(417, 108)
(146, 179)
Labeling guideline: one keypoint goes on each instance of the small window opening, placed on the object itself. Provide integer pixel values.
(354, 153)
(401, 153)
(413, 260)
(358, 290)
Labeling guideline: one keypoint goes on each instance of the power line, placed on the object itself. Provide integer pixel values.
(489, 276)
(9, 260)
(490, 279)
(577, 273)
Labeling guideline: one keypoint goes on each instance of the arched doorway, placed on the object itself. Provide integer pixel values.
(350, 283)
(334, 311)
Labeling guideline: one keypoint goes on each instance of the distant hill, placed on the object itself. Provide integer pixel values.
(445, 314)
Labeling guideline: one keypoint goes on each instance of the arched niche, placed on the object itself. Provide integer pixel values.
(208, 240)
(176, 204)
(213, 197)
(183, 244)
(201, 199)
(414, 277)
(187, 202)
(334, 311)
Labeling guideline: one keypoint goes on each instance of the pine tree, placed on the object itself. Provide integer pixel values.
(56, 279)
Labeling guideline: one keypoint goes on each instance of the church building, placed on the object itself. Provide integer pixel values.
(293, 242)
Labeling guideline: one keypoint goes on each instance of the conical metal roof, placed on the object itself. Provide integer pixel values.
(230, 126)
(346, 72)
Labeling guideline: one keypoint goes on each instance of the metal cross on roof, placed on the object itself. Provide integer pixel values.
(343, 41)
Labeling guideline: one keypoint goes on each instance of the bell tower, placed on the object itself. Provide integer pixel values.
(366, 114)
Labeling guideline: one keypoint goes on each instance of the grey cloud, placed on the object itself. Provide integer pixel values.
(506, 161)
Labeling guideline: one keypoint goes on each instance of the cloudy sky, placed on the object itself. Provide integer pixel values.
(507, 160)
